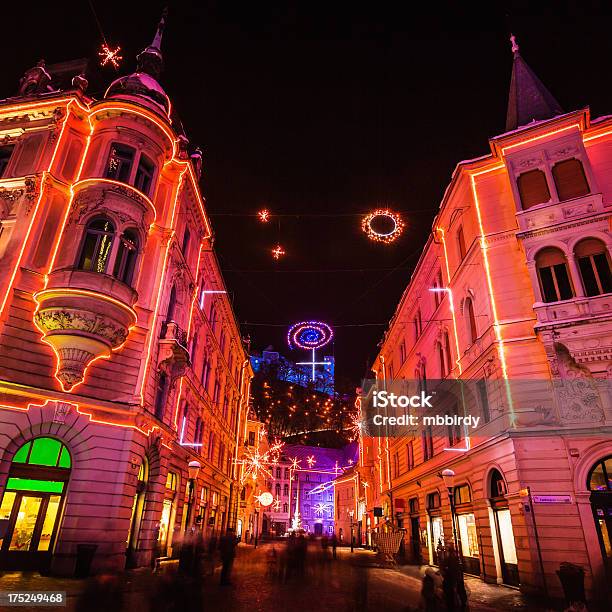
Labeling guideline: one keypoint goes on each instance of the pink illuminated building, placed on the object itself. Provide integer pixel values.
(512, 287)
(123, 377)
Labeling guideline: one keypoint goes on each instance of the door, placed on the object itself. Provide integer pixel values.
(318, 529)
(415, 539)
(505, 538)
(437, 537)
(29, 530)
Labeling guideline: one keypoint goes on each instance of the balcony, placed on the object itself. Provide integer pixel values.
(569, 311)
(173, 354)
(83, 316)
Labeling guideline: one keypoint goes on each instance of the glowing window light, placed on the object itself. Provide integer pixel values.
(384, 237)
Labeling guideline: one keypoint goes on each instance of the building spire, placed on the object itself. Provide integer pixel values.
(529, 100)
(151, 60)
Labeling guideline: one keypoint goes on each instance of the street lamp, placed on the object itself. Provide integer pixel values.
(352, 514)
(193, 469)
(448, 476)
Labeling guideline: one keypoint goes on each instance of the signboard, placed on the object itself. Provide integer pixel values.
(552, 499)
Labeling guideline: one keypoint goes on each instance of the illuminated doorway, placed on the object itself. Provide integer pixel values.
(600, 484)
(503, 528)
(31, 506)
(137, 513)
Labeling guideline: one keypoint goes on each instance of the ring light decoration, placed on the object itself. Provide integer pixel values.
(384, 237)
(309, 335)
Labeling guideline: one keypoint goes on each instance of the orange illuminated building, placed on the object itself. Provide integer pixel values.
(513, 288)
(121, 361)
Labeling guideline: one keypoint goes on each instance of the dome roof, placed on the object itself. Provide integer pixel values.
(140, 87)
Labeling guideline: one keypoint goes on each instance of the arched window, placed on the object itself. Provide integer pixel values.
(554, 278)
(120, 160)
(461, 243)
(126, 256)
(600, 478)
(470, 319)
(594, 263)
(533, 188)
(96, 248)
(570, 179)
(441, 360)
(199, 431)
(433, 500)
(449, 355)
(498, 484)
(33, 496)
(171, 305)
(161, 395)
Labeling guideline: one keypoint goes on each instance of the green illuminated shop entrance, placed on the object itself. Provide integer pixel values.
(31, 504)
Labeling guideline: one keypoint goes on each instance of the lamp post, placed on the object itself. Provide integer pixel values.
(352, 514)
(193, 469)
(449, 481)
(256, 525)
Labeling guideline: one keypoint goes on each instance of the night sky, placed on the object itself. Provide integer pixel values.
(322, 111)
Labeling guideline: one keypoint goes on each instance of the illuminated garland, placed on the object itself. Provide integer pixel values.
(278, 251)
(264, 215)
(388, 237)
(309, 335)
(109, 56)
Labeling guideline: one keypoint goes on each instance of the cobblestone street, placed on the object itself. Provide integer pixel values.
(259, 583)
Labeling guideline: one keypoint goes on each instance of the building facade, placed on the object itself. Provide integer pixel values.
(123, 377)
(511, 293)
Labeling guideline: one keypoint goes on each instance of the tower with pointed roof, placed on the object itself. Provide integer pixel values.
(529, 99)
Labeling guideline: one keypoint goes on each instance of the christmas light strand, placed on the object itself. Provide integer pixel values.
(384, 237)
(309, 335)
(110, 56)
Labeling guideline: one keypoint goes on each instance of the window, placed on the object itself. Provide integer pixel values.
(211, 445)
(498, 485)
(194, 346)
(184, 421)
(441, 360)
(449, 355)
(5, 156)
(427, 442)
(533, 188)
(418, 324)
(461, 243)
(600, 478)
(285, 507)
(594, 266)
(396, 469)
(470, 317)
(199, 431)
(144, 174)
(455, 432)
(277, 489)
(120, 162)
(554, 278)
(205, 373)
(433, 500)
(438, 285)
(286, 490)
(570, 179)
(186, 239)
(216, 392)
(251, 438)
(410, 455)
(413, 505)
(278, 473)
(161, 395)
(402, 351)
(171, 480)
(96, 248)
(483, 395)
(462, 495)
(126, 256)
(390, 371)
(171, 305)
(286, 473)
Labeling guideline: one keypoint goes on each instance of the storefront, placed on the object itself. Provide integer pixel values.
(467, 534)
(168, 516)
(600, 485)
(32, 504)
(436, 526)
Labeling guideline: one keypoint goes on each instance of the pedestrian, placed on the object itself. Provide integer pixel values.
(428, 591)
(227, 549)
(453, 583)
(334, 543)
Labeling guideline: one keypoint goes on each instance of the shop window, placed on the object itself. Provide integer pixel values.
(96, 248)
(594, 265)
(120, 161)
(570, 179)
(126, 256)
(468, 536)
(144, 175)
(470, 319)
(533, 188)
(462, 495)
(5, 157)
(600, 478)
(553, 274)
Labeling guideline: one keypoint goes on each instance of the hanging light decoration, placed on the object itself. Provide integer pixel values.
(309, 335)
(278, 252)
(109, 56)
(396, 225)
(264, 215)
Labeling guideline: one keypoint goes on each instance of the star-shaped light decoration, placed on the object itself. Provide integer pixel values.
(321, 507)
(109, 56)
(276, 504)
(264, 215)
(311, 460)
(255, 463)
(337, 468)
(278, 252)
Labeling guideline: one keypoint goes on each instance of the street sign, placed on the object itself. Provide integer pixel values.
(552, 499)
